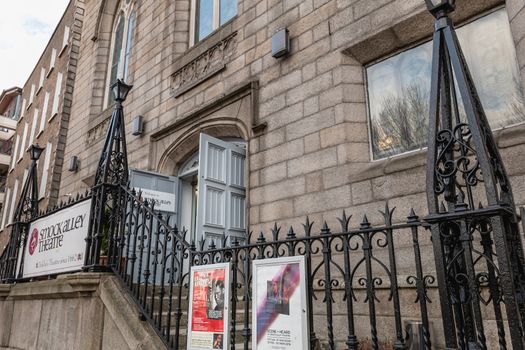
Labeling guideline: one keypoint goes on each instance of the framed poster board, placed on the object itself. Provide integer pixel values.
(279, 308)
(208, 326)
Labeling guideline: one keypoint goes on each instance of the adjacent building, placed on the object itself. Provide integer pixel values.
(43, 110)
(9, 114)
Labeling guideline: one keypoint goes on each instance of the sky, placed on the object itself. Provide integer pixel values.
(25, 29)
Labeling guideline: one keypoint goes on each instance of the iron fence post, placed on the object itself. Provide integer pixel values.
(463, 156)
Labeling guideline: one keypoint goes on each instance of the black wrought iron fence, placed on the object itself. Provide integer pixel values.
(380, 274)
(151, 256)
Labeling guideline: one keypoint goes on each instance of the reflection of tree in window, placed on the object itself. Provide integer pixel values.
(399, 126)
(398, 87)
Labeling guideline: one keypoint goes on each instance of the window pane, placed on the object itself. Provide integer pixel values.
(398, 91)
(129, 44)
(204, 18)
(228, 10)
(489, 50)
(398, 87)
(117, 51)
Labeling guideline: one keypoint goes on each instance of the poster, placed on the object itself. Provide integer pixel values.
(209, 291)
(279, 310)
(56, 243)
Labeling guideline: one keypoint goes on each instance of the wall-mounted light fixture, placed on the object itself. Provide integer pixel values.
(280, 43)
(137, 127)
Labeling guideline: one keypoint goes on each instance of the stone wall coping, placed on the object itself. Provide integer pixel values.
(4, 290)
(64, 286)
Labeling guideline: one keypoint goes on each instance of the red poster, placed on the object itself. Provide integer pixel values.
(208, 309)
(208, 301)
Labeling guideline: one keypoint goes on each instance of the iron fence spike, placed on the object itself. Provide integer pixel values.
(364, 222)
(291, 233)
(412, 217)
(325, 228)
(261, 238)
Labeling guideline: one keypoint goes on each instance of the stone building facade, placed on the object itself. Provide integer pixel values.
(306, 134)
(304, 117)
(44, 116)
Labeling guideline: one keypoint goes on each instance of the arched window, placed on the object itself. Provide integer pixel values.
(121, 46)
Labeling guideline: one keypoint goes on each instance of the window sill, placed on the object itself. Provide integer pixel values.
(213, 33)
(39, 133)
(62, 50)
(51, 69)
(29, 106)
(52, 117)
(38, 90)
(506, 137)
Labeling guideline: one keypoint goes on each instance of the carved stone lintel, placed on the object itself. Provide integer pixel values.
(97, 132)
(209, 63)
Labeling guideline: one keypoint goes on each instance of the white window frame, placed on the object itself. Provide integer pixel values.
(41, 81)
(23, 110)
(23, 144)
(31, 95)
(6, 206)
(126, 10)
(52, 61)
(24, 178)
(44, 114)
(65, 40)
(13, 203)
(15, 150)
(33, 128)
(45, 171)
(193, 20)
(56, 97)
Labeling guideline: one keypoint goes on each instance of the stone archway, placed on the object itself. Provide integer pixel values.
(175, 155)
(230, 117)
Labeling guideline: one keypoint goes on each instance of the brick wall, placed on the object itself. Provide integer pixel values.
(55, 125)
